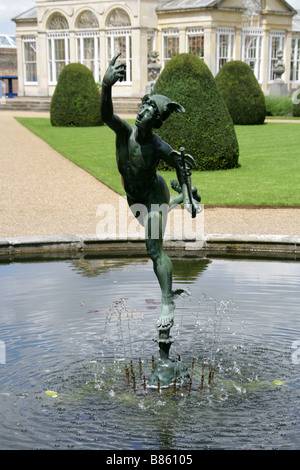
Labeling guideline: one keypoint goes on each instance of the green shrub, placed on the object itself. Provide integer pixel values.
(242, 93)
(278, 105)
(205, 130)
(76, 99)
(296, 106)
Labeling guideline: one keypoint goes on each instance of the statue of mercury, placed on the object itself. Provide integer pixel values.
(138, 152)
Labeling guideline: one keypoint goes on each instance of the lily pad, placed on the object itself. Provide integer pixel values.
(51, 393)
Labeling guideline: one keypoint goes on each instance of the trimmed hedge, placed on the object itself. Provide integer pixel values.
(279, 105)
(242, 93)
(205, 130)
(76, 99)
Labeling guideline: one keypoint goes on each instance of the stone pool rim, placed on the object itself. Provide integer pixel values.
(210, 244)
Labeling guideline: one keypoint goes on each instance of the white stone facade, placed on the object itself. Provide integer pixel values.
(58, 32)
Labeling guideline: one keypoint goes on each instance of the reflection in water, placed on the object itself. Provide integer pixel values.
(185, 269)
(188, 270)
(63, 333)
(91, 267)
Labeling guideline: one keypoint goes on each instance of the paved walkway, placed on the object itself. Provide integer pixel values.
(43, 193)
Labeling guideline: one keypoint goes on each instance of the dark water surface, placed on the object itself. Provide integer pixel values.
(69, 327)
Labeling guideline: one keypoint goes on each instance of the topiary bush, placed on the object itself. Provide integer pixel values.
(242, 93)
(296, 104)
(205, 130)
(76, 99)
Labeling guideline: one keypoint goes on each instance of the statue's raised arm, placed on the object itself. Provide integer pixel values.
(113, 73)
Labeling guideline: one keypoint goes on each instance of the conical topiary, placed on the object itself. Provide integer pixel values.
(242, 93)
(76, 99)
(205, 130)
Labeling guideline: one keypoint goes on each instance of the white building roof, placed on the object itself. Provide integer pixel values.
(296, 22)
(7, 42)
(194, 4)
(184, 4)
(27, 15)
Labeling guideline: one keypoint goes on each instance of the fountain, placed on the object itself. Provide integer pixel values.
(74, 321)
(139, 150)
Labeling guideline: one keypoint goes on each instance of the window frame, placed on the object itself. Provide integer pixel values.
(195, 32)
(169, 33)
(52, 61)
(253, 33)
(80, 36)
(230, 33)
(281, 35)
(295, 60)
(121, 33)
(29, 40)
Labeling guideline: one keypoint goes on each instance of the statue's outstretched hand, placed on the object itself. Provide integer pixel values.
(114, 72)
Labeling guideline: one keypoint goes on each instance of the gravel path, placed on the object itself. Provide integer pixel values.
(43, 193)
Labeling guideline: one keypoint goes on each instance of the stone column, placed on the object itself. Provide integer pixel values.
(21, 91)
(158, 44)
(287, 58)
(103, 64)
(238, 44)
(210, 45)
(182, 41)
(265, 59)
(42, 64)
(72, 40)
(139, 62)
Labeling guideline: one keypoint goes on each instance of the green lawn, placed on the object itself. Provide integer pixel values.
(269, 157)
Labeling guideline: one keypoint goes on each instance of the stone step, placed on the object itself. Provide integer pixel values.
(121, 105)
(126, 105)
(16, 104)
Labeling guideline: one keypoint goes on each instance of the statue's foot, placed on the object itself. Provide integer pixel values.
(194, 207)
(166, 318)
(195, 194)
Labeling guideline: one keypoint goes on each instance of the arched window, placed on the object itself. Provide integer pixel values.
(58, 46)
(117, 18)
(57, 21)
(119, 40)
(88, 42)
(87, 20)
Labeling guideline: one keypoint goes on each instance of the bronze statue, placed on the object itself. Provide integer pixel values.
(138, 152)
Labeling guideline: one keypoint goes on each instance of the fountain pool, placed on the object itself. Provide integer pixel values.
(69, 326)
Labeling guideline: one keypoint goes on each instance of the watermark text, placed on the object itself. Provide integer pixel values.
(296, 353)
(2, 352)
(152, 222)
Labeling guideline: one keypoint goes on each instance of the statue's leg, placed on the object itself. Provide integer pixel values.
(162, 265)
(175, 201)
(177, 198)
